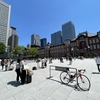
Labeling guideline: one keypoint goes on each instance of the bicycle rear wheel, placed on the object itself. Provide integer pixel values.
(84, 83)
(64, 77)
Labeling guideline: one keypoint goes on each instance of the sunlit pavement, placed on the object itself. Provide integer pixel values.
(43, 88)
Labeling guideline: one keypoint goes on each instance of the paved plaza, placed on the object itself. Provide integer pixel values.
(43, 88)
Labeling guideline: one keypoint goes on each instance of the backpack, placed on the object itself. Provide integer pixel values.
(34, 68)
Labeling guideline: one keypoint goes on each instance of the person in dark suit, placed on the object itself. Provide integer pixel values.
(18, 70)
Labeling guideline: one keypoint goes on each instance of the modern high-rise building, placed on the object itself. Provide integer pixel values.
(56, 38)
(35, 40)
(43, 42)
(68, 31)
(4, 21)
(12, 38)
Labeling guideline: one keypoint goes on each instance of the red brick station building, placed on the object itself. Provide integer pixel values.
(82, 45)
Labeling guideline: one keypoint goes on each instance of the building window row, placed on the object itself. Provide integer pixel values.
(93, 40)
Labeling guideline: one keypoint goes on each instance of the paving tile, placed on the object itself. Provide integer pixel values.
(42, 88)
(94, 95)
(10, 93)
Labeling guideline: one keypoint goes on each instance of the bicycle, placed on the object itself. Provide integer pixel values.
(82, 81)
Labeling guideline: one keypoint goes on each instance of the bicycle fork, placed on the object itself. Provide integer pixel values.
(80, 75)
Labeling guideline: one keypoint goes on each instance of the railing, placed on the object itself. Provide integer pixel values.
(59, 68)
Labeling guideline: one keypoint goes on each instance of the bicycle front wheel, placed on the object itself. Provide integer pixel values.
(84, 83)
(64, 77)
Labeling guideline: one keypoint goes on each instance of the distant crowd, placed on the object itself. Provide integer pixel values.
(23, 72)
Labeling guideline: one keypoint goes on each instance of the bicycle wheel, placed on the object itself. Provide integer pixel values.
(84, 83)
(64, 77)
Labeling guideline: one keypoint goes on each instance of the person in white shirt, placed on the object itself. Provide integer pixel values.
(97, 59)
(23, 74)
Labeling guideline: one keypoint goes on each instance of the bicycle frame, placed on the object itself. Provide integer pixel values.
(78, 74)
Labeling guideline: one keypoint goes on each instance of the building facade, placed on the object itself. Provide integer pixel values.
(12, 38)
(43, 42)
(83, 45)
(68, 31)
(35, 40)
(4, 21)
(56, 38)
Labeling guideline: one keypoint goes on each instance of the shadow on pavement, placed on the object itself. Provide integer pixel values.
(14, 83)
(70, 85)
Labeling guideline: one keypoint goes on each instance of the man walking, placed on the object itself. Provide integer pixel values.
(97, 59)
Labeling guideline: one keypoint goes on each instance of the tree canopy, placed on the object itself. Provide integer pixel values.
(2, 48)
(33, 51)
(18, 50)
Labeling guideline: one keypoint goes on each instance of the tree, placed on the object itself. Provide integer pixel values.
(2, 48)
(33, 51)
(18, 50)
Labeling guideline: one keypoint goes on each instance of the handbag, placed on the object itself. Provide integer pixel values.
(26, 67)
(30, 72)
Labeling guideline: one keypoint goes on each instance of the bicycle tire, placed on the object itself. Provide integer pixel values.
(84, 83)
(64, 77)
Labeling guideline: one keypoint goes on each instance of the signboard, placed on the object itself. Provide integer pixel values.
(60, 68)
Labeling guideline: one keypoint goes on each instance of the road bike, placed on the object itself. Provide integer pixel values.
(82, 81)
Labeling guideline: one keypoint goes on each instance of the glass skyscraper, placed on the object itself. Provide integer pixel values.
(35, 40)
(43, 42)
(4, 21)
(68, 31)
(12, 38)
(56, 38)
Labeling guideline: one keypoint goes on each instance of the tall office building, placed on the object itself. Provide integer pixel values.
(68, 31)
(56, 38)
(35, 40)
(4, 21)
(12, 38)
(43, 42)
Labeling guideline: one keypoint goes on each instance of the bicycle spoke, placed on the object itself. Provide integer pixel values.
(83, 83)
(64, 77)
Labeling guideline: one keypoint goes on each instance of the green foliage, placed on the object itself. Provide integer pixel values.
(94, 54)
(33, 51)
(69, 55)
(18, 50)
(2, 48)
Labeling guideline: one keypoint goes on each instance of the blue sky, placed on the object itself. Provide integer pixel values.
(44, 17)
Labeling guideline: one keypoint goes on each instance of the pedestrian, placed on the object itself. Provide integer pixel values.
(61, 59)
(45, 62)
(2, 63)
(70, 60)
(6, 64)
(23, 71)
(97, 60)
(18, 70)
(42, 63)
(38, 63)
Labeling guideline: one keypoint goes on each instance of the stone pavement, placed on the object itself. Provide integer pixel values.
(42, 88)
